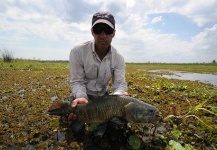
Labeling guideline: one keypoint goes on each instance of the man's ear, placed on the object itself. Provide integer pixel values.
(114, 34)
(91, 31)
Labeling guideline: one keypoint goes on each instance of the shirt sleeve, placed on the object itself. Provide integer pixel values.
(77, 81)
(119, 84)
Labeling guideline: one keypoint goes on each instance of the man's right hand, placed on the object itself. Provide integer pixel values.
(81, 100)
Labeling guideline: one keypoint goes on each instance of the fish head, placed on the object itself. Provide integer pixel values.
(142, 113)
(59, 108)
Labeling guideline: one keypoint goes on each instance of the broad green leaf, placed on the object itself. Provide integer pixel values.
(188, 147)
(134, 142)
(175, 145)
(176, 134)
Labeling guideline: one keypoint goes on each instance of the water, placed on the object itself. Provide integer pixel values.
(202, 77)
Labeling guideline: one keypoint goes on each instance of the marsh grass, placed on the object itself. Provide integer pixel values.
(28, 87)
(23, 64)
(192, 113)
(8, 55)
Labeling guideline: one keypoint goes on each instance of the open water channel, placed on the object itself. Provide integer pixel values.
(181, 75)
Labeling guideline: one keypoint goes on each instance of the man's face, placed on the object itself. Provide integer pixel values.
(103, 35)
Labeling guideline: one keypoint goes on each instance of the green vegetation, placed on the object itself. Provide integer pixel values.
(29, 87)
(195, 67)
(7, 55)
(22, 64)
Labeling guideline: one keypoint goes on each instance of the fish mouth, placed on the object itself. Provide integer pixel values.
(56, 112)
(157, 117)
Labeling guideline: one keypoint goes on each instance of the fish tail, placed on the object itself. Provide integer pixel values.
(59, 108)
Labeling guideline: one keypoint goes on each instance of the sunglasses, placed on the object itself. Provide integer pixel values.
(98, 30)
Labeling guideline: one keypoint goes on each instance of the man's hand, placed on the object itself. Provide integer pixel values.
(125, 94)
(81, 100)
(121, 93)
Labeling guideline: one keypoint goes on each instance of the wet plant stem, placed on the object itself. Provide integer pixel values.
(198, 119)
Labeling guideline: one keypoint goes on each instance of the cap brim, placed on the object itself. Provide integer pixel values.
(103, 21)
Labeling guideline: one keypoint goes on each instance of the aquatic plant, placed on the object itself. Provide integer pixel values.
(192, 111)
(134, 142)
(174, 145)
(29, 87)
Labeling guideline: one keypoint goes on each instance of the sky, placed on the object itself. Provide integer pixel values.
(166, 31)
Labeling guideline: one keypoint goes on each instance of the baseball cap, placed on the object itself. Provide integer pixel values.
(103, 17)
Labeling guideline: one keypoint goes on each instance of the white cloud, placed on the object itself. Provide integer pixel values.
(130, 3)
(201, 11)
(156, 19)
(205, 41)
(70, 21)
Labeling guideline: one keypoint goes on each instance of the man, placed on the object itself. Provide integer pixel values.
(94, 63)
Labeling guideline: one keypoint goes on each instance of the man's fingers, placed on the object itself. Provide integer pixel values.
(79, 101)
(74, 103)
(84, 101)
(125, 94)
(72, 117)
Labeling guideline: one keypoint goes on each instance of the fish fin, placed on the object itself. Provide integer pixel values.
(116, 121)
(58, 108)
(76, 126)
(100, 131)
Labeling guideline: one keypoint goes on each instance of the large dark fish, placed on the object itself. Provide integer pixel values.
(104, 108)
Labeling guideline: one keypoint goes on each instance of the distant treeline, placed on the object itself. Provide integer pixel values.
(67, 61)
(210, 63)
(54, 61)
(213, 62)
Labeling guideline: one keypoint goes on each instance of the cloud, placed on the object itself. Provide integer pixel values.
(201, 11)
(130, 3)
(150, 45)
(35, 21)
(73, 12)
(156, 19)
(205, 42)
(39, 27)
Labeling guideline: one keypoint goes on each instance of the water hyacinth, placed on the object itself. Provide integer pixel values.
(28, 88)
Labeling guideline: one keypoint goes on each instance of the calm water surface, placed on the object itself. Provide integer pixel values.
(205, 78)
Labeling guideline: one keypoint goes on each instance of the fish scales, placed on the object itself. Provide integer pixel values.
(102, 109)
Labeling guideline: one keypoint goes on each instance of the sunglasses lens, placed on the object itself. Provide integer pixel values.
(107, 30)
(97, 30)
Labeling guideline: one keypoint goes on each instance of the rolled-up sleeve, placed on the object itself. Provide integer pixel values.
(77, 74)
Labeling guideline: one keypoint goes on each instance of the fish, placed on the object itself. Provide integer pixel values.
(104, 108)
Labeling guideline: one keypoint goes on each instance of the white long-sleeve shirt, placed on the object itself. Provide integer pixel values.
(90, 75)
